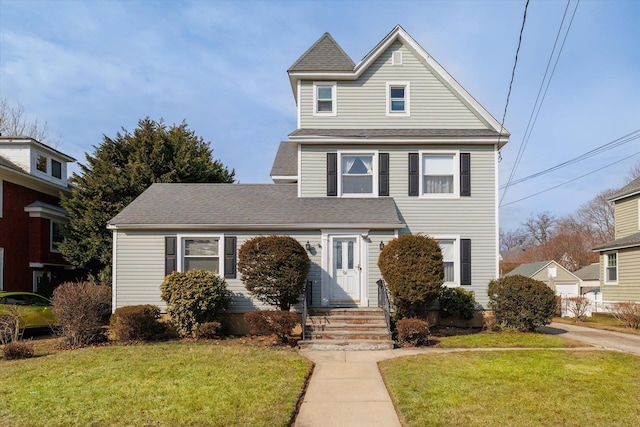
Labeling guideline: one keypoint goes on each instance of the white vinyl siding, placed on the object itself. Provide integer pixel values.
(363, 102)
(467, 217)
(141, 263)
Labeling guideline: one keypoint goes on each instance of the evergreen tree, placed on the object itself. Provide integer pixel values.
(118, 172)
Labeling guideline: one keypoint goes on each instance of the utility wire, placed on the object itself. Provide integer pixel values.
(608, 146)
(571, 180)
(513, 71)
(533, 119)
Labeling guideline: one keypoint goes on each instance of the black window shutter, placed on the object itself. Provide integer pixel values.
(465, 174)
(465, 261)
(332, 174)
(170, 261)
(414, 171)
(230, 257)
(383, 174)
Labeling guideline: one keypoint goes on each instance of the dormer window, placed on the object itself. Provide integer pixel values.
(398, 98)
(324, 94)
(56, 169)
(41, 163)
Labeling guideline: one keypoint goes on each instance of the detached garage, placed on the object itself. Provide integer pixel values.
(558, 278)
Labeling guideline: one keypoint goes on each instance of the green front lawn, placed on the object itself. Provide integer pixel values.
(516, 388)
(505, 339)
(164, 384)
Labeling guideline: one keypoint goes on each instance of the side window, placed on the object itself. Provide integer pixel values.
(56, 169)
(611, 268)
(201, 254)
(357, 173)
(57, 235)
(41, 163)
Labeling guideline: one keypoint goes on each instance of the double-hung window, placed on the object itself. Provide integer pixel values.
(448, 259)
(57, 235)
(440, 174)
(41, 163)
(611, 268)
(324, 95)
(398, 101)
(357, 172)
(56, 169)
(201, 253)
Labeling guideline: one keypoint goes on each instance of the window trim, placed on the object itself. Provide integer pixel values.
(606, 267)
(46, 163)
(185, 236)
(457, 262)
(334, 99)
(407, 99)
(456, 174)
(374, 173)
(52, 248)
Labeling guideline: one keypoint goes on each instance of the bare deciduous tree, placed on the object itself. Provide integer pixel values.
(540, 227)
(510, 239)
(597, 216)
(14, 122)
(577, 307)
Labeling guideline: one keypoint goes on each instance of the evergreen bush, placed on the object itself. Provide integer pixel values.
(137, 323)
(457, 302)
(194, 297)
(521, 303)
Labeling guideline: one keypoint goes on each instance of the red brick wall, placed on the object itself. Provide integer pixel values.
(16, 228)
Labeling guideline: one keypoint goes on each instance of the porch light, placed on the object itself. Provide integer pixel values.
(308, 246)
(381, 245)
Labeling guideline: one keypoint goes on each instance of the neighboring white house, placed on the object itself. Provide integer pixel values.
(389, 146)
(558, 278)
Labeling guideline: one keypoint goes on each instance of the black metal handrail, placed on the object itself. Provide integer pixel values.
(307, 295)
(384, 302)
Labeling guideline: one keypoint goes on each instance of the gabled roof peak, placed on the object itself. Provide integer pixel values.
(324, 55)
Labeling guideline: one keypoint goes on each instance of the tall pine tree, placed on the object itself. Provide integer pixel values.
(118, 172)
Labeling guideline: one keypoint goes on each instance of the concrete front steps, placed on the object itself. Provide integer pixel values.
(346, 329)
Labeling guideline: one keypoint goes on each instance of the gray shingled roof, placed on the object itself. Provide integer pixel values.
(324, 55)
(630, 189)
(251, 206)
(625, 242)
(392, 133)
(528, 270)
(39, 204)
(286, 161)
(590, 272)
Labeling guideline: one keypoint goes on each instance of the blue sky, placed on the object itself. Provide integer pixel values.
(92, 68)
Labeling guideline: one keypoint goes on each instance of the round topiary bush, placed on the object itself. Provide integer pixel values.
(521, 303)
(274, 269)
(412, 267)
(194, 297)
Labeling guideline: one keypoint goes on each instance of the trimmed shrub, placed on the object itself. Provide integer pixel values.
(521, 303)
(18, 350)
(137, 323)
(209, 330)
(412, 332)
(457, 302)
(627, 313)
(274, 269)
(412, 267)
(270, 322)
(81, 309)
(193, 298)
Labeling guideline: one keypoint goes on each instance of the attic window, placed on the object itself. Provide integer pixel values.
(398, 101)
(41, 163)
(324, 97)
(396, 59)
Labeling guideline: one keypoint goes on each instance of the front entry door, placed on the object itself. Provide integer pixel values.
(345, 289)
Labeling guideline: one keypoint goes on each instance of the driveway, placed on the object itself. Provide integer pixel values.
(604, 339)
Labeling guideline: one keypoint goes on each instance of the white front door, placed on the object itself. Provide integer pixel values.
(346, 269)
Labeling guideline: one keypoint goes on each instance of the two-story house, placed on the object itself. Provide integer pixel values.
(620, 259)
(388, 146)
(32, 177)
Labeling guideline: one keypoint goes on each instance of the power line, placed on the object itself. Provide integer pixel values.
(571, 180)
(608, 146)
(513, 71)
(532, 118)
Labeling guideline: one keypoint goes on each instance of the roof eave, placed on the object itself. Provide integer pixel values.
(409, 140)
(256, 227)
